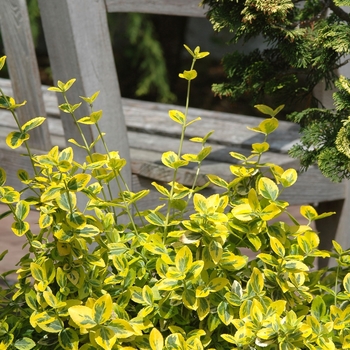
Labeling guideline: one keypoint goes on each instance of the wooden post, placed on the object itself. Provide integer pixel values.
(23, 68)
(79, 46)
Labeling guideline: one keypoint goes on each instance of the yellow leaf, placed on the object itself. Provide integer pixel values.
(156, 339)
(82, 316)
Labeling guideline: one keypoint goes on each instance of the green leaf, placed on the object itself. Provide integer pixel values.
(102, 309)
(24, 344)
(68, 339)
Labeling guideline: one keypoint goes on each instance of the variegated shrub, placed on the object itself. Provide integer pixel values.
(170, 281)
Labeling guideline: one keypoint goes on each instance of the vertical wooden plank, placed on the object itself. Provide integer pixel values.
(23, 67)
(189, 8)
(343, 231)
(78, 41)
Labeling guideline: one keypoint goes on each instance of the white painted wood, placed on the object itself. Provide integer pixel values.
(189, 8)
(79, 47)
(23, 67)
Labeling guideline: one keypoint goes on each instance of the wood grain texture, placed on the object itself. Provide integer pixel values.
(23, 67)
(79, 47)
(188, 8)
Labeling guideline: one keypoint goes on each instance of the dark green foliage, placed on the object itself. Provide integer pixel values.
(303, 46)
(325, 136)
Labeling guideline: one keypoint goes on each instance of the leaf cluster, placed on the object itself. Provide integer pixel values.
(166, 279)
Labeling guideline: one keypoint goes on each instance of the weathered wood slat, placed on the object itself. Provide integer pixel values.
(157, 136)
(77, 37)
(189, 8)
(22, 64)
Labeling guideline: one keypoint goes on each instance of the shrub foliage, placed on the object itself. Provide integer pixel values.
(172, 279)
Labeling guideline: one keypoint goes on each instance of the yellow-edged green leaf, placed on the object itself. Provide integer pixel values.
(260, 147)
(147, 295)
(268, 189)
(121, 328)
(183, 259)
(66, 201)
(105, 337)
(217, 284)
(33, 123)
(346, 282)
(175, 341)
(102, 309)
(195, 269)
(68, 339)
(215, 250)
(45, 220)
(295, 266)
(189, 299)
(22, 210)
(76, 219)
(19, 228)
(168, 284)
(225, 312)
(9, 196)
(277, 246)
(203, 308)
(308, 241)
(308, 212)
(256, 281)
(82, 316)
(51, 193)
(218, 181)
(269, 212)
(289, 177)
(15, 139)
(78, 182)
